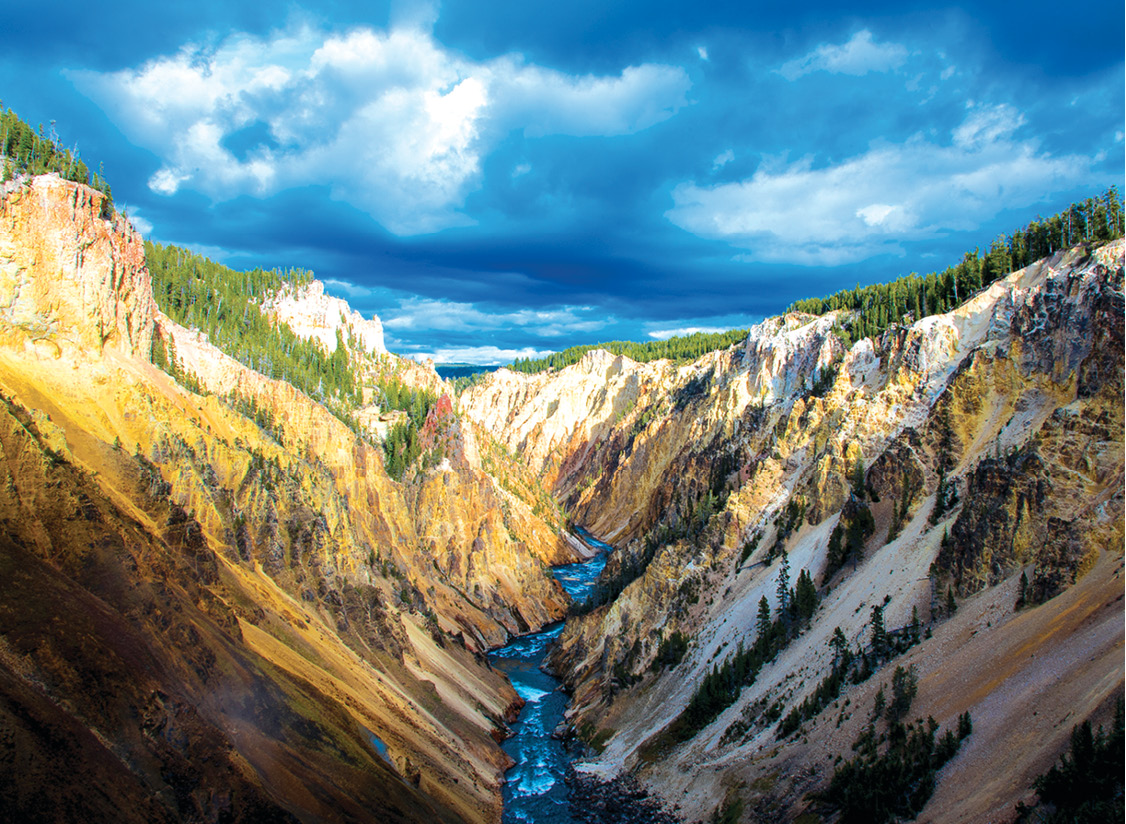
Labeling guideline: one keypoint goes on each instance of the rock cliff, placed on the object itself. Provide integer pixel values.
(98, 292)
(955, 453)
(310, 313)
(219, 604)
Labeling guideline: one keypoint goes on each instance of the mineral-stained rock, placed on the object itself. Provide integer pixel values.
(68, 275)
(208, 612)
(958, 452)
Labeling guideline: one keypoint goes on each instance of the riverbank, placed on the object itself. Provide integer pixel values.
(618, 801)
(543, 786)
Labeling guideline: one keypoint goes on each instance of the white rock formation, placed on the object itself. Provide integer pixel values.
(310, 313)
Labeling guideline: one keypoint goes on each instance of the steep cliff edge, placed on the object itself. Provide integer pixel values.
(219, 604)
(955, 453)
(98, 292)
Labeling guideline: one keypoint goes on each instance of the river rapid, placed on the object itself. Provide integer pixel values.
(535, 790)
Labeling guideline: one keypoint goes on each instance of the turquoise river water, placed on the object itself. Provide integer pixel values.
(535, 790)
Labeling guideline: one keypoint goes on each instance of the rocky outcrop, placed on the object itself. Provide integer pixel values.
(98, 291)
(1040, 499)
(620, 801)
(312, 314)
(784, 355)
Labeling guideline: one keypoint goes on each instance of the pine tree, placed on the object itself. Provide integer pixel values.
(879, 632)
(763, 623)
(805, 596)
(965, 725)
(835, 554)
(880, 704)
(842, 655)
(173, 362)
(784, 585)
(159, 355)
(904, 685)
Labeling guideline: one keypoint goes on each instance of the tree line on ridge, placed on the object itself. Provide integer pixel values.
(25, 151)
(912, 297)
(906, 299)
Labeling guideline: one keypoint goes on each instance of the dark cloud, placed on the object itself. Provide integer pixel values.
(562, 220)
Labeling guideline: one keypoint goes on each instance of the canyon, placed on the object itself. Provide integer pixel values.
(219, 605)
(704, 473)
(212, 592)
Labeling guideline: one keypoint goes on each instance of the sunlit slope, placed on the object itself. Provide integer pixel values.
(954, 453)
(222, 588)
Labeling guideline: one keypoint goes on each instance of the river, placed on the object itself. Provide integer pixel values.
(535, 790)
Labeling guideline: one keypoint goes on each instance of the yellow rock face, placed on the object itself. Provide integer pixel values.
(449, 531)
(354, 602)
(98, 292)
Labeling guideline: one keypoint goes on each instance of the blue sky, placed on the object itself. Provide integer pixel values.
(497, 179)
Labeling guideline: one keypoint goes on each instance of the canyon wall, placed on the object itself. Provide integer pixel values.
(978, 446)
(217, 603)
(98, 290)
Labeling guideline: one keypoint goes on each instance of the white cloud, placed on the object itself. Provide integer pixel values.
(547, 102)
(876, 214)
(166, 182)
(702, 51)
(860, 55)
(392, 121)
(352, 290)
(723, 158)
(416, 313)
(870, 204)
(665, 334)
(139, 223)
(480, 355)
(987, 124)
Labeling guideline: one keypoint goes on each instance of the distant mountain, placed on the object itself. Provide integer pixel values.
(453, 371)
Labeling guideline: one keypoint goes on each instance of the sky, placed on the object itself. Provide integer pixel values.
(499, 179)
